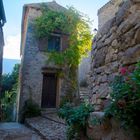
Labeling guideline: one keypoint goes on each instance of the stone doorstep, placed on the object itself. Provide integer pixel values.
(51, 114)
(54, 119)
(14, 131)
(49, 110)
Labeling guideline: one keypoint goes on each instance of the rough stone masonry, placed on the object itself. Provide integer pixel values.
(34, 64)
(117, 44)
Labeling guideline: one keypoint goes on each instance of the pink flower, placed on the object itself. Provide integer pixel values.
(123, 71)
(121, 103)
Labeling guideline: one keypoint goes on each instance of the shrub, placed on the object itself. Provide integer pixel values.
(9, 94)
(10, 80)
(66, 99)
(76, 118)
(8, 104)
(125, 97)
(30, 109)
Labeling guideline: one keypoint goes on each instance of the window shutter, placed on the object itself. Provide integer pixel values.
(65, 42)
(43, 43)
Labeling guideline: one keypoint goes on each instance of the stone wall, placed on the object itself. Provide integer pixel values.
(116, 44)
(2, 22)
(109, 129)
(108, 11)
(31, 65)
(1, 53)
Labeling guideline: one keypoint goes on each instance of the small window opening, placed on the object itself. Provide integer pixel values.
(54, 43)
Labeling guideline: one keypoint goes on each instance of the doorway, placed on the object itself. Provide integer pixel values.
(49, 90)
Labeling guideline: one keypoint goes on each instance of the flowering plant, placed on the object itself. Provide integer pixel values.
(123, 70)
(125, 105)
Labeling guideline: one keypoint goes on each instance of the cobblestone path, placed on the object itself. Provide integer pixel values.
(49, 126)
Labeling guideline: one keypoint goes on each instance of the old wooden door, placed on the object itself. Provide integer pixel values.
(49, 91)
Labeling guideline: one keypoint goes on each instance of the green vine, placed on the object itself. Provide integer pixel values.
(77, 27)
(68, 21)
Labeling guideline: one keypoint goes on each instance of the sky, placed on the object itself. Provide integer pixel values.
(13, 11)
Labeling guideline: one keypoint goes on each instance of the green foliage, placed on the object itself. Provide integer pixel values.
(125, 96)
(9, 80)
(77, 27)
(96, 121)
(71, 22)
(68, 98)
(30, 109)
(76, 118)
(9, 93)
(8, 102)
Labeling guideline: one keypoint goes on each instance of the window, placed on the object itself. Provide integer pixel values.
(54, 43)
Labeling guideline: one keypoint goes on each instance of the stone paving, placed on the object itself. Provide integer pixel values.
(48, 126)
(16, 131)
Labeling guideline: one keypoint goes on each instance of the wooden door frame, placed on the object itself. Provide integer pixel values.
(58, 87)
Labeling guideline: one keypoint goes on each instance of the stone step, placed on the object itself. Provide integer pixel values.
(84, 91)
(53, 117)
(84, 94)
(49, 111)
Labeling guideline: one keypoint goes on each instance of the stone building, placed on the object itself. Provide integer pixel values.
(39, 79)
(117, 44)
(2, 22)
(108, 11)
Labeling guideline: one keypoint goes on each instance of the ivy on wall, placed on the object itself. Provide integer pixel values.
(77, 26)
(68, 21)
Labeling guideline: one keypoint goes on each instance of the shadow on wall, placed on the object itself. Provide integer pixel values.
(84, 69)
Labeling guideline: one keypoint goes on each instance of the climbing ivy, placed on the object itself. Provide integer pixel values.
(68, 21)
(77, 27)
